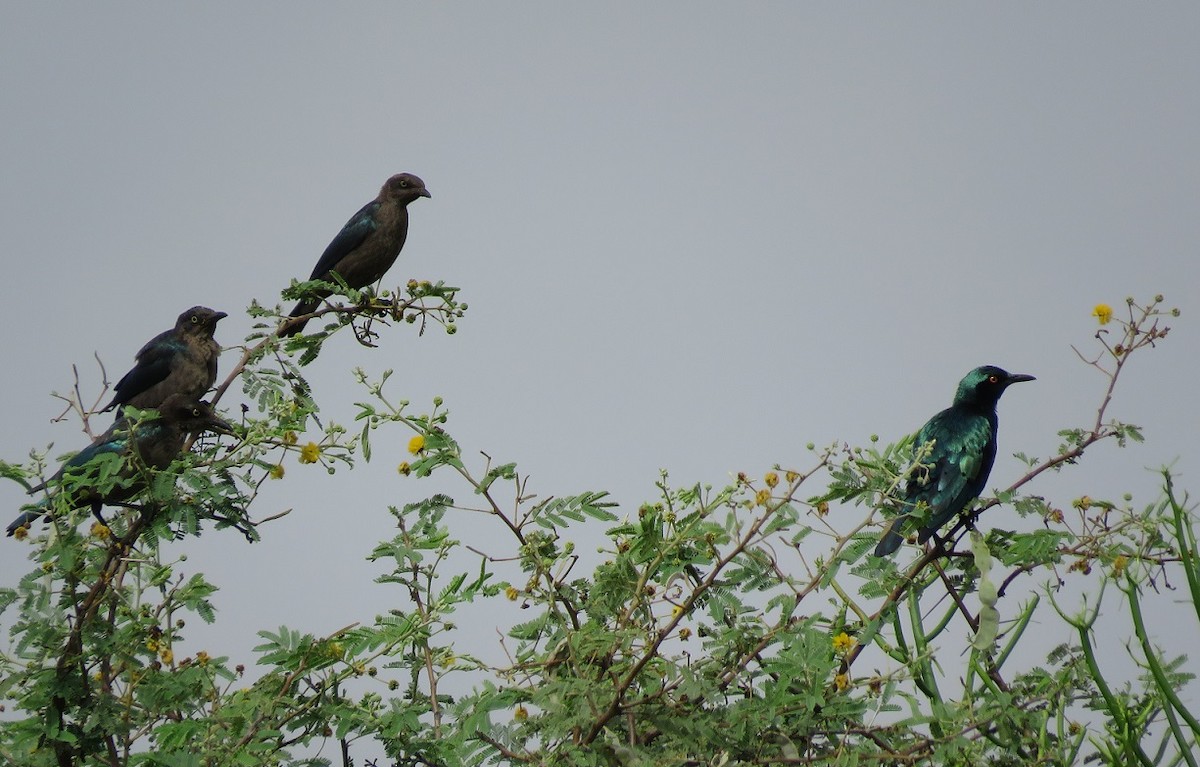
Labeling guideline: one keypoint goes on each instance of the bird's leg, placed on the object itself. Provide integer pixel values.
(365, 335)
(96, 507)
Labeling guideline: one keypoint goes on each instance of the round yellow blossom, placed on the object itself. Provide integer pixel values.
(762, 496)
(202, 658)
(404, 468)
(277, 471)
(772, 479)
(1083, 504)
(841, 681)
(521, 714)
(822, 508)
(167, 656)
(310, 453)
(152, 645)
(676, 610)
(843, 643)
(1103, 313)
(21, 533)
(792, 477)
(1119, 564)
(100, 530)
(416, 444)
(512, 593)
(685, 633)
(290, 438)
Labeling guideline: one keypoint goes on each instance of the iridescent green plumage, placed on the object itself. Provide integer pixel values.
(962, 447)
(134, 447)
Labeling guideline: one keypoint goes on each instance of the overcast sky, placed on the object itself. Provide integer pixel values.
(692, 236)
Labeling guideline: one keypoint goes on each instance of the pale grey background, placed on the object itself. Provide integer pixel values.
(692, 236)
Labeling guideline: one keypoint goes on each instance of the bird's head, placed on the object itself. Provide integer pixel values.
(199, 320)
(403, 187)
(984, 385)
(192, 415)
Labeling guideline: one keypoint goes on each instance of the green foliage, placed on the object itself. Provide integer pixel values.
(745, 624)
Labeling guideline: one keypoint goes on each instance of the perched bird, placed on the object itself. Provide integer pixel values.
(150, 444)
(964, 448)
(369, 243)
(182, 360)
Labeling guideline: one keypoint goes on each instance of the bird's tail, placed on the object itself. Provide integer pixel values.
(304, 307)
(891, 539)
(26, 518)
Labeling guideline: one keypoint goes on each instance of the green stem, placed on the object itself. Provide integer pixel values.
(1156, 669)
(1187, 543)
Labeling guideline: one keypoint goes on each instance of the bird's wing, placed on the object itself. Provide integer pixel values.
(356, 230)
(954, 477)
(112, 441)
(154, 362)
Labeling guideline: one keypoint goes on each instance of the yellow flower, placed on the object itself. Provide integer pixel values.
(416, 444)
(290, 438)
(512, 593)
(100, 530)
(676, 610)
(772, 479)
(21, 533)
(521, 714)
(822, 508)
(841, 681)
(792, 477)
(685, 633)
(167, 656)
(277, 471)
(404, 468)
(1103, 313)
(762, 496)
(1119, 564)
(843, 643)
(310, 453)
(202, 658)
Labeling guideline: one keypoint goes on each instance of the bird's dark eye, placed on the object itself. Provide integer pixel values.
(993, 378)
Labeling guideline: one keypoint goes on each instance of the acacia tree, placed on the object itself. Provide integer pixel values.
(721, 625)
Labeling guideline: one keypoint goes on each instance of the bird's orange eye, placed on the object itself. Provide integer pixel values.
(993, 379)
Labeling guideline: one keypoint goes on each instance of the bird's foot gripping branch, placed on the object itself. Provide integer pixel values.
(418, 302)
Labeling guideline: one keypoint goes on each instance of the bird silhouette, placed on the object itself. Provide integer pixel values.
(136, 447)
(182, 360)
(368, 244)
(963, 450)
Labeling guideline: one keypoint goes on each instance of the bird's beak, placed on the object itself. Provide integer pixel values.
(424, 193)
(218, 425)
(218, 317)
(1018, 378)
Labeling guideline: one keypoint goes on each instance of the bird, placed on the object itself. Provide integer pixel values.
(152, 443)
(954, 472)
(182, 360)
(368, 244)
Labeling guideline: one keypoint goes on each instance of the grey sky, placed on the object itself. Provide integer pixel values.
(692, 236)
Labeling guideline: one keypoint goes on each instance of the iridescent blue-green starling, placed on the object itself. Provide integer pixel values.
(138, 446)
(954, 473)
(182, 360)
(368, 244)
